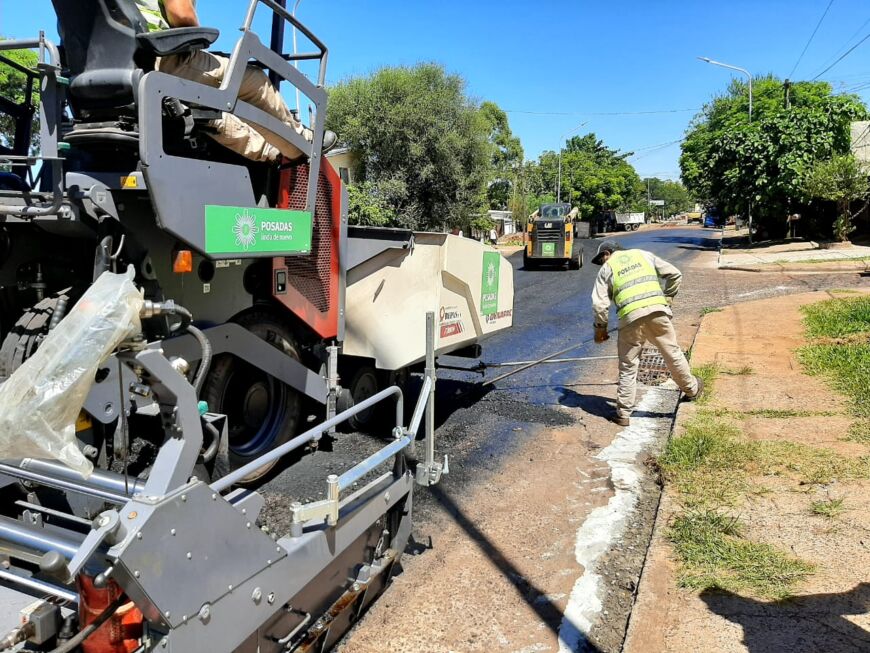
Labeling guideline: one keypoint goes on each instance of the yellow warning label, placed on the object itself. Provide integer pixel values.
(129, 182)
(83, 422)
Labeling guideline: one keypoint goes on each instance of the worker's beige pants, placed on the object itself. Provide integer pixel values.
(254, 142)
(657, 329)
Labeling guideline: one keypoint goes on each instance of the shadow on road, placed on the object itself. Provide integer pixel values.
(535, 598)
(703, 243)
(592, 404)
(801, 625)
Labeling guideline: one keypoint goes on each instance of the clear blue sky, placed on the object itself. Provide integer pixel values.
(578, 58)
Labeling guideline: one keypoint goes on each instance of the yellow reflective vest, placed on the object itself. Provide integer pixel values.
(152, 11)
(635, 282)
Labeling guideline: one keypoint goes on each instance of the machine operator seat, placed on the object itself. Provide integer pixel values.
(108, 49)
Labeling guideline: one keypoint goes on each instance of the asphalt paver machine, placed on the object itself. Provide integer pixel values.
(177, 322)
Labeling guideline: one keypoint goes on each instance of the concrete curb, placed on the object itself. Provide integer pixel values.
(845, 266)
(659, 524)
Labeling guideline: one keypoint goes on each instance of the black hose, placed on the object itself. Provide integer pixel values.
(205, 362)
(209, 454)
(186, 324)
(74, 642)
(185, 315)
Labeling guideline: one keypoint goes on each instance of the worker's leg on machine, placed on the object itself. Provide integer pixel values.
(659, 330)
(629, 343)
(238, 136)
(256, 89)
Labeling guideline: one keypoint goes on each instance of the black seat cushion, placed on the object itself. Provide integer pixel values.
(177, 40)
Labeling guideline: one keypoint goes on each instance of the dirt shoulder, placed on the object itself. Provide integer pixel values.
(781, 488)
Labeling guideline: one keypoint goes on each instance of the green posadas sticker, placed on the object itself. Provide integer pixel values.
(252, 230)
(489, 283)
(548, 249)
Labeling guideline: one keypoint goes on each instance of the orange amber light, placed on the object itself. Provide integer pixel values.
(183, 261)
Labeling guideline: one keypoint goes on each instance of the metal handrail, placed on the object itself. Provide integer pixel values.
(232, 478)
(48, 71)
(323, 55)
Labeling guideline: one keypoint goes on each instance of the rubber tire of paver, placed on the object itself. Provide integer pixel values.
(364, 382)
(284, 405)
(29, 331)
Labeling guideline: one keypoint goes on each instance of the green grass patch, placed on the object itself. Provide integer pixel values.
(829, 508)
(773, 413)
(707, 373)
(746, 370)
(837, 317)
(859, 431)
(710, 309)
(715, 556)
(714, 468)
(845, 365)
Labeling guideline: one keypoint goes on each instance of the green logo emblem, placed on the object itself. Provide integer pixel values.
(245, 230)
(548, 249)
(234, 230)
(489, 283)
(624, 259)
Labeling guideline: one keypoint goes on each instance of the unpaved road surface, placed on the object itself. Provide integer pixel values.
(535, 540)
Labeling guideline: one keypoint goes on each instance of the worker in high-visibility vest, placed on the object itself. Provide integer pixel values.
(630, 278)
(253, 142)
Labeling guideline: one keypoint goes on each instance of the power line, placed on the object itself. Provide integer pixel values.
(843, 56)
(848, 41)
(812, 36)
(592, 113)
(649, 149)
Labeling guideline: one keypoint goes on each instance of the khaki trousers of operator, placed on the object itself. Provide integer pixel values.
(253, 142)
(657, 329)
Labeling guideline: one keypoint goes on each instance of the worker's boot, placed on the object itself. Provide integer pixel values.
(700, 391)
(616, 418)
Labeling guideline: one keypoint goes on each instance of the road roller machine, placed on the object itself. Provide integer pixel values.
(181, 326)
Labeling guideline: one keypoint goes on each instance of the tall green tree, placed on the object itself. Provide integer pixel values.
(594, 178)
(677, 199)
(421, 144)
(505, 157)
(731, 162)
(840, 180)
(13, 86)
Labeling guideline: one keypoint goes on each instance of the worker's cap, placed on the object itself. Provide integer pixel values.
(606, 247)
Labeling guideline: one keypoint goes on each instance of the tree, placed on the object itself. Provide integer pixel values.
(505, 155)
(730, 162)
(13, 87)
(421, 143)
(595, 177)
(675, 195)
(840, 180)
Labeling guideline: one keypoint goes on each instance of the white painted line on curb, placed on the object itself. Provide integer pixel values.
(605, 525)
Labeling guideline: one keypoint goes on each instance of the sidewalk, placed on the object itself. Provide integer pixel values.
(794, 256)
(797, 500)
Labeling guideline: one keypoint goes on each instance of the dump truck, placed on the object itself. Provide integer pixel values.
(180, 324)
(551, 237)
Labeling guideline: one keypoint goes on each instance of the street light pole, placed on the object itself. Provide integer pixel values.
(738, 69)
(562, 147)
(749, 77)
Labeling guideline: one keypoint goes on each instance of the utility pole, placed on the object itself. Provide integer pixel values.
(787, 87)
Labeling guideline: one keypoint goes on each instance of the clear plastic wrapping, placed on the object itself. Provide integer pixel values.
(40, 401)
